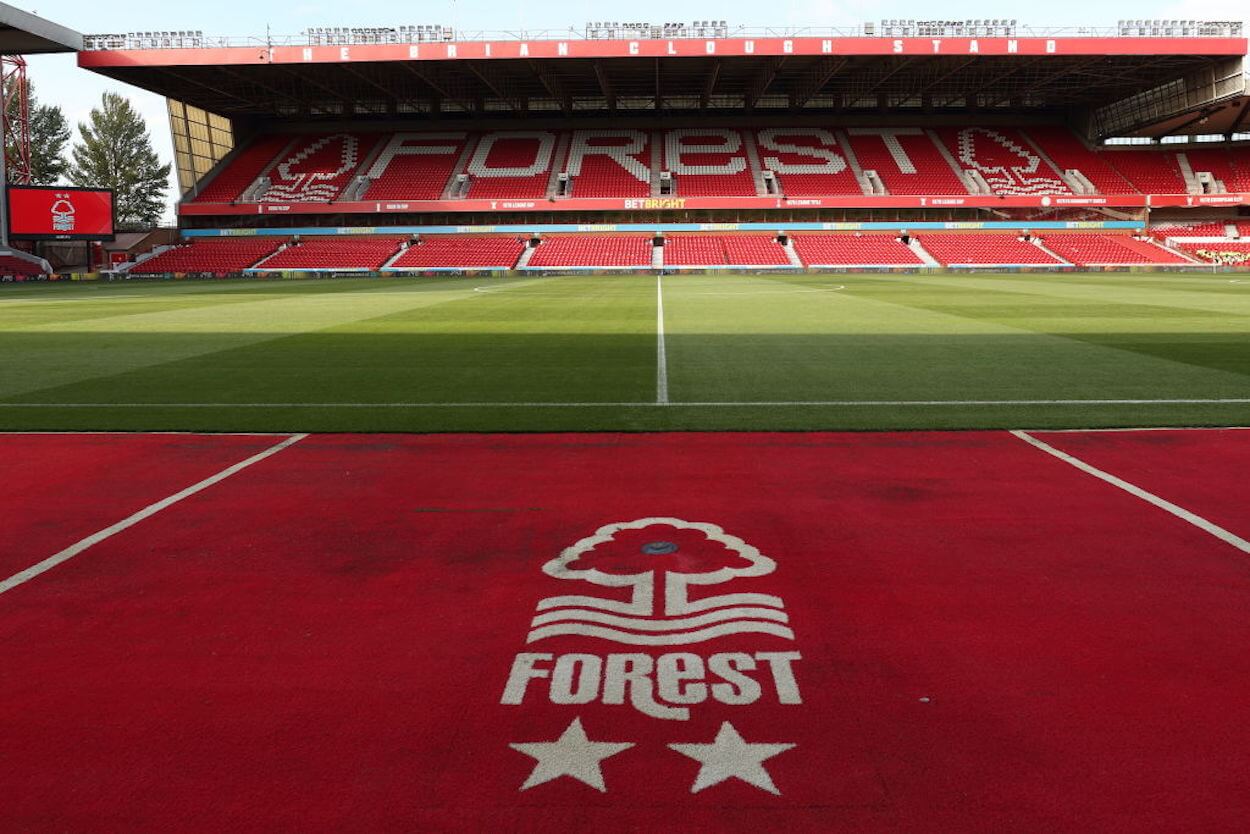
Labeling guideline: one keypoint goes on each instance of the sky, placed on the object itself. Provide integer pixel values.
(58, 80)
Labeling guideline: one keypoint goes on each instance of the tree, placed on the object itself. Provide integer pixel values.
(116, 152)
(49, 134)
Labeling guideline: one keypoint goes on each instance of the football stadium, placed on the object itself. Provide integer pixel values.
(902, 367)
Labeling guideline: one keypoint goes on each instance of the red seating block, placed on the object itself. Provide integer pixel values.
(906, 160)
(511, 165)
(316, 169)
(1009, 164)
(593, 251)
(807, 162)
(14, 266)
(1230, 253)
(1100, 250)
(854, 250)
(414, 166)
(1067, 151)
(709, 162)
(337, 253)
(610, 163)
(212, 255)
(461, 252)
(1150, 172)
(242, 170)
(1002, 249)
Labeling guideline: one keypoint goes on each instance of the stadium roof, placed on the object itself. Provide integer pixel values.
(22, 33)
(568, 74)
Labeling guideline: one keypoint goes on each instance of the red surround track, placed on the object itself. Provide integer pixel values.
(983, 637)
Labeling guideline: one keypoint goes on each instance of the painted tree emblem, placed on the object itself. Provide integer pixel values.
(659, 560)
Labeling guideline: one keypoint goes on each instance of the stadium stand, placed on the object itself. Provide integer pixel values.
(335, 252)
(242, 170)
(906, 160)
(210, 256)
(1243, 228)
(461, 252)
(709, 162)
(511, 165)
(1069, 152)
(316, 169)
(806, 161)
(984, 250)
(1225, 253)
(694, 250)
(754, 250)
(1232, 170)
(610, 163)
(1005, 159)
(11, 266)
(1108, 250)
(854, 250)
(1214, 228)
(573, 251)
(1150, 172)
(414, 166)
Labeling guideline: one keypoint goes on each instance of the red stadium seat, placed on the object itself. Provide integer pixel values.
(1227, 253)
(1068, 152)
(461, 252)
(854, 250)
(593, 251)
(11, 266)
(1005, 159)
(709, 162)
(335, 252)
(1001, 249)
(210, 255)
(807, 161)
(906, 160)
(242, 170)
(316, 169)
(414, 166)
(511, 165)
(1103, 250)
(1150, 172)
(610, 163)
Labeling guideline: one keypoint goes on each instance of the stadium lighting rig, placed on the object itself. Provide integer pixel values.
(946, 28)
(613, 30)
(1180, 28)
(146, 40)
(354, 35)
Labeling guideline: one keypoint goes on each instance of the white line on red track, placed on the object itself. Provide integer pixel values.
(78, 547)
(1180, 512)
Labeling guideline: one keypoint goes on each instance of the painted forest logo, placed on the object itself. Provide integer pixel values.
(656, 584)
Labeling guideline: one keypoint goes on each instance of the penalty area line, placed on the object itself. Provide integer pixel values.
(1180, 512)
(78, 547)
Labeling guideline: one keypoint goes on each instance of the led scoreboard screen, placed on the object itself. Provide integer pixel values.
(54, 212)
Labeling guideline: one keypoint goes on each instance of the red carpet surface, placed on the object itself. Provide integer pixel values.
(58, 488)
(816, 632)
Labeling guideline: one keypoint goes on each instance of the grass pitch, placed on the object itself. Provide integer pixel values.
(587, 353)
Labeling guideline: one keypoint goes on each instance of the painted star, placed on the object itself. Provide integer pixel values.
(730, 756)
(572, 754)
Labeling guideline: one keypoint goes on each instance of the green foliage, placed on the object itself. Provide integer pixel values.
(115, 151)
(49, 135)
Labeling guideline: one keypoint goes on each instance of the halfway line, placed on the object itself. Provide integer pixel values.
(148, 511)
(1137, 492)
(661, 350)
(683, 404)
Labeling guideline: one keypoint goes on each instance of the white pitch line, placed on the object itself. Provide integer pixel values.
(682, 404)
(147, 512)
(1137, 492)
(661, 350)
